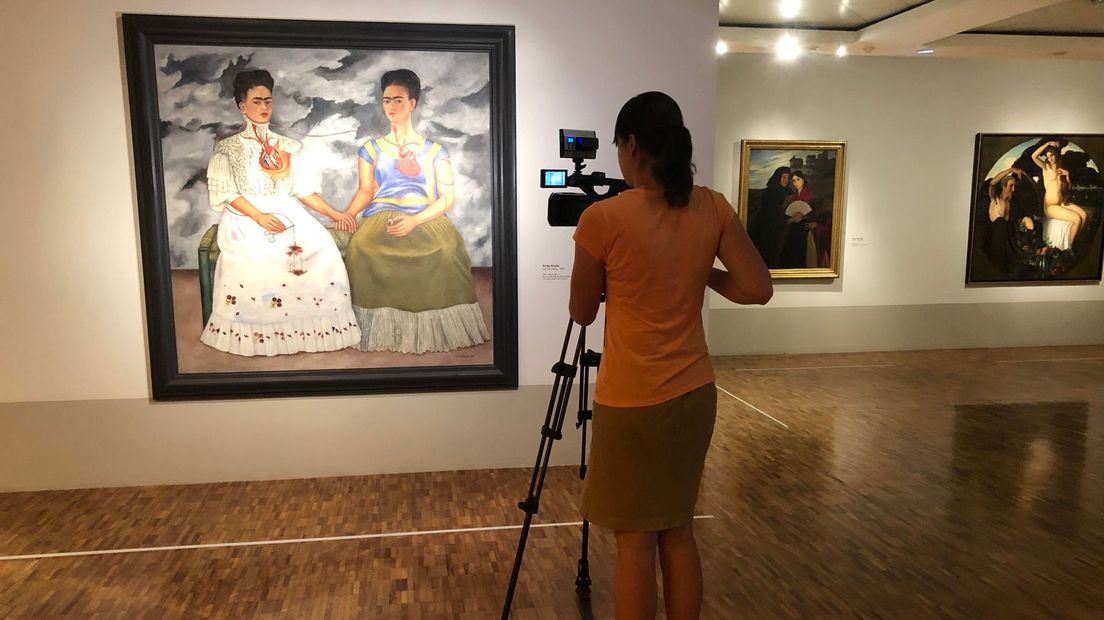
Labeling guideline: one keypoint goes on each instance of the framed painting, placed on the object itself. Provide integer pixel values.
(791, 201)
(324, 207)
(1036, 208)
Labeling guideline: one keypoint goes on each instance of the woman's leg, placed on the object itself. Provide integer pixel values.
(1079, 210)
(634, 580)
(682, 573)
(1059, 212)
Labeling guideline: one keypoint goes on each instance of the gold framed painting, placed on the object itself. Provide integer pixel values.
(791, 199)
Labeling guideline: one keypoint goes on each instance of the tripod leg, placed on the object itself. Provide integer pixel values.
(550, 432)
(582, 578)
(590, 360)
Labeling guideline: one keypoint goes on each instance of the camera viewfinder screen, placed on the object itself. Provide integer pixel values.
(553, 178)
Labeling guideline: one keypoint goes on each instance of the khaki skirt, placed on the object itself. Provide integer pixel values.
(646, 462)
(413, 294)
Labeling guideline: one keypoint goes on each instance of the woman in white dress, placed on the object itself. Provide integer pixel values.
(280, 285)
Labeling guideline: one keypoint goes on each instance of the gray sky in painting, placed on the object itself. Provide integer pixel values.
(332, 95)
(765, 161)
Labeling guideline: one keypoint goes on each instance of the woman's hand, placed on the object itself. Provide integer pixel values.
(401, 225)
(269, 222)
(1028, 224)
(344, 221)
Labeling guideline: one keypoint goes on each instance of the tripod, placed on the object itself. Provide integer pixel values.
(550, 432)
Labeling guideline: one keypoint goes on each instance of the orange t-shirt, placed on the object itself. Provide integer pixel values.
(657, 260)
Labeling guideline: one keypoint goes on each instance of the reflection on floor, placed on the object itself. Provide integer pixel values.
(961, 484)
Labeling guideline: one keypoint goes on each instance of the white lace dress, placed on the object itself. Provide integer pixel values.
(273, 293)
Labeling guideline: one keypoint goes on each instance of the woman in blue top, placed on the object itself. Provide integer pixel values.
(409, 271)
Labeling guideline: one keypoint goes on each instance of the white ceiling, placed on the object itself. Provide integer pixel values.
(953, 28)
(1069, 17)
(850, 14)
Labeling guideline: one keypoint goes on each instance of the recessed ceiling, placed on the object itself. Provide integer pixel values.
(950, 28)
(819, 14)
(1073, 17)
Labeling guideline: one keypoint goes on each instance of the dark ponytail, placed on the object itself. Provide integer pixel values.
(673, 168)
(656, 121)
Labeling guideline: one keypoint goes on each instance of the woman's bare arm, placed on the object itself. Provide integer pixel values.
(747, 279)
(588, 281)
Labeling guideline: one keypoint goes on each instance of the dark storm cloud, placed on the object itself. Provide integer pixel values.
(226, 79)
(196, 69)
(221, 130)
(202, 69)
(345, 66)
(321, 109)
(186, 103)
(199, 176)
(439, 130)
(476, 144)
(479, 98)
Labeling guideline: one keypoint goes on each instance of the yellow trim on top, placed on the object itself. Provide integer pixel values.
(371, 151)
(430, 171)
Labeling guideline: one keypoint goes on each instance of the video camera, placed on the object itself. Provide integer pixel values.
(564, 208)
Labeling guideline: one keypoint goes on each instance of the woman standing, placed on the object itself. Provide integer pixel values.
(413, 290)
(793, 242)
(651, 250)
(767, 226)
(280, 285)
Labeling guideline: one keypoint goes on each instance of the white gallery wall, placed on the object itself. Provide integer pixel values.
(910, 125)
(74, 381)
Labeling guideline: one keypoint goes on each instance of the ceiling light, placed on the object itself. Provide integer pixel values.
(927, 51)
(789, 8)
(841, 51)
(722, 48)
(788, 47)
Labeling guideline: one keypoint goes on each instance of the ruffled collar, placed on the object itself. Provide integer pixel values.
(255, 131)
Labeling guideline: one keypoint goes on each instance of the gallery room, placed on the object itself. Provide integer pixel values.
(287, 290)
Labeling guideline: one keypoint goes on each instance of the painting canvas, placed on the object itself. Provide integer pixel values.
(791, 201)
(1037, 209)
(325, 207)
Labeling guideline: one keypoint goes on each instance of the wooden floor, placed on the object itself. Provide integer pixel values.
(956, 484)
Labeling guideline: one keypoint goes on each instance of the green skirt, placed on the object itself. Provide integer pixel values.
(413, 294)
(646, 462)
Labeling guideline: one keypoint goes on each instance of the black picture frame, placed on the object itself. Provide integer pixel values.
(1009, 251)
(142, 32)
